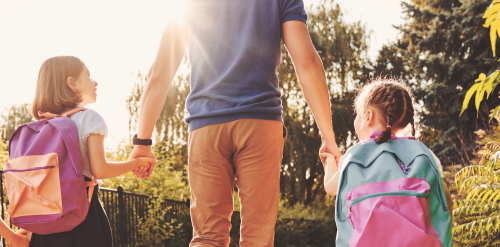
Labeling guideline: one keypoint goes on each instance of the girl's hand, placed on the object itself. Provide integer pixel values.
(24, 232)
(330, 160)
(142, 151)
(20, 239)
(147, 164)
(329, 146)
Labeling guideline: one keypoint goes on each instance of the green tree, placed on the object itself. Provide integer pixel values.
(4, 155)
(441, 51)
(10, 119)
(14, 117)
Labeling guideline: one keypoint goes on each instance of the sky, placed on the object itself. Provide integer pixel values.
(116, 39)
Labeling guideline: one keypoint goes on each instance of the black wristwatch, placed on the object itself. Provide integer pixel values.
(143, 142)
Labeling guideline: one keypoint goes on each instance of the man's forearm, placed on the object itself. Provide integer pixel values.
(311, 75)
(312, 81)
(151, 107)
(172, 46)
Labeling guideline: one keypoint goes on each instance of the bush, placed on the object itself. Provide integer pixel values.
(299, 226)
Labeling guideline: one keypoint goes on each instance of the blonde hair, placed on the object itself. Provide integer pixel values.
(52, 92)
(393, 99)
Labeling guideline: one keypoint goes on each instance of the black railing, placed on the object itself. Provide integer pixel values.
(127, 212)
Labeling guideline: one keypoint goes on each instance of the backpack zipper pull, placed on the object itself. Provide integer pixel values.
(403, 167)
(349, 216)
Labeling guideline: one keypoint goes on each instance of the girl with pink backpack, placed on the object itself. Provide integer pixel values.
(64, 87)
(389, 189)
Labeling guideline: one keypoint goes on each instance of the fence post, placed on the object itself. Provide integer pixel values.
(121, 218)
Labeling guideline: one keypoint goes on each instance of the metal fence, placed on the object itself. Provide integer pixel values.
(127, 212)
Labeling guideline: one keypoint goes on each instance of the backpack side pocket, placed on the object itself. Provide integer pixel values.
(33, 185)
(393, 213)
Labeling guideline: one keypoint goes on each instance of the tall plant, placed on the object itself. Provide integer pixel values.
(477, 212)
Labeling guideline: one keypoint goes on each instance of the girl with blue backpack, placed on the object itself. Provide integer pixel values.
(389, 189)
(64, 87)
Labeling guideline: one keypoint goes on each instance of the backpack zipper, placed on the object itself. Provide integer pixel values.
(390, 193)
(28, 169)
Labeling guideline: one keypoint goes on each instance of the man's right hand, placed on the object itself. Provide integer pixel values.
(142, 151)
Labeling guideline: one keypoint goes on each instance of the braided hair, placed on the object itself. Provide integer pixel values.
(393, 99)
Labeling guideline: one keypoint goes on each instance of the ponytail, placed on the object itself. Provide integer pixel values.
(384, 136)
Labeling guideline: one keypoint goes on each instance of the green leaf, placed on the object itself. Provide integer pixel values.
(488, 84)
(486, 194)
(491, 10)
(468, 96)
(481, 77)
(493, 36)
(479, 96)
(495, 112)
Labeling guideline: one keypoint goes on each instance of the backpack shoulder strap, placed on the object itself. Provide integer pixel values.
(68, 113)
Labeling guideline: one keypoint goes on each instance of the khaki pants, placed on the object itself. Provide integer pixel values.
(248, 151)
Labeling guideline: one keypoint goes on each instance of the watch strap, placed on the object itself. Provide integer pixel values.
(143, 142)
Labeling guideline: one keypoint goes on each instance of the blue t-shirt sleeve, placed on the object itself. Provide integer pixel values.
(293, 10)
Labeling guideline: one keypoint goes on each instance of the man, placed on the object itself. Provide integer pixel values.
(235, 126)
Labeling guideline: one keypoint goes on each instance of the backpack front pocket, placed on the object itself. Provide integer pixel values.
(33, 186)
(394, 213)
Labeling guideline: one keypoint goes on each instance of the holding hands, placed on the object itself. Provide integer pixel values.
(330, 161)
(146, 157)
(329, 147)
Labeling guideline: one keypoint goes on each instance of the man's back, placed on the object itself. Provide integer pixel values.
(234, 51)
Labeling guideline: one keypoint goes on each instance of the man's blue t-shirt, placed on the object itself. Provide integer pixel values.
(234, 50)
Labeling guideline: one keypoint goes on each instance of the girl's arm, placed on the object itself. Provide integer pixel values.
(101, 168)
(13, 238)
(331, 174)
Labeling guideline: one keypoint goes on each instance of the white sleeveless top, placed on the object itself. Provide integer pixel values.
(88, 122)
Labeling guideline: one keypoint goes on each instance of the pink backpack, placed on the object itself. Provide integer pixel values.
(43, 177)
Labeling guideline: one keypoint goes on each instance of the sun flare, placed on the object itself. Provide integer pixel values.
(174, 10)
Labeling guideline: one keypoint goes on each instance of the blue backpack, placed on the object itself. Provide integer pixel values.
(391, 194)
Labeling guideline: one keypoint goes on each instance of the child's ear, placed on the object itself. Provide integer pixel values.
(370, 117)
(70, 81)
